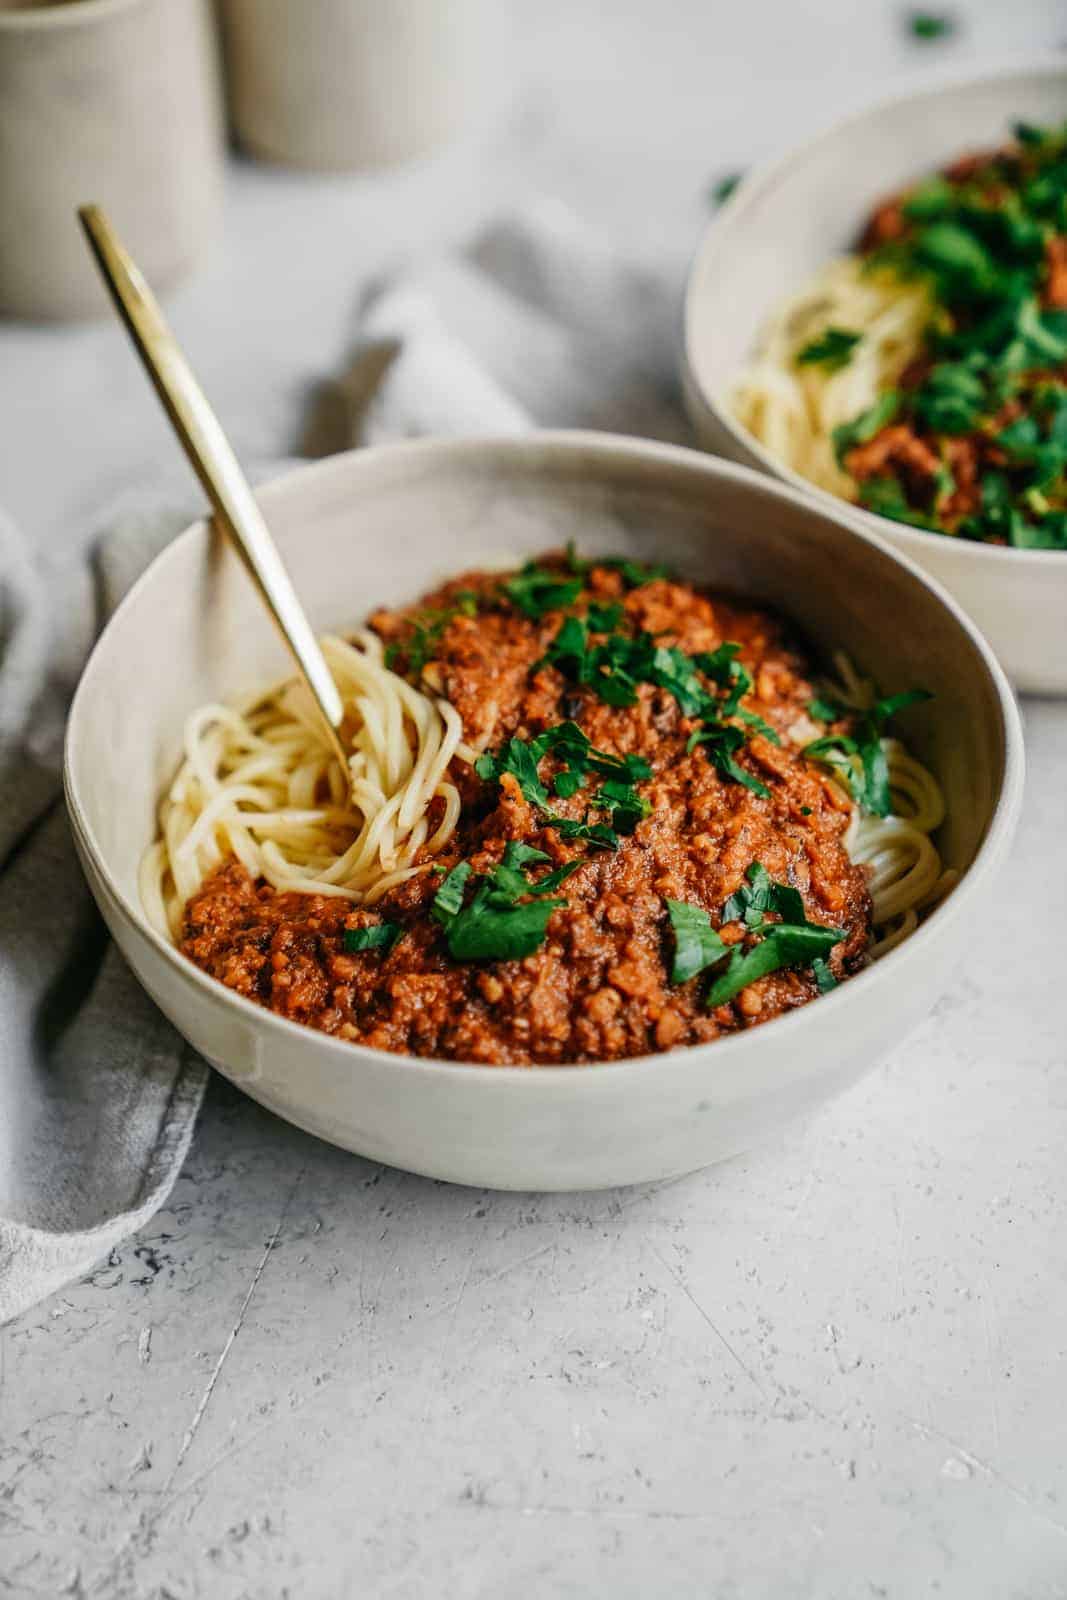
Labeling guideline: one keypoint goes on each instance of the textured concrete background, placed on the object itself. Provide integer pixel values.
(834, 1368)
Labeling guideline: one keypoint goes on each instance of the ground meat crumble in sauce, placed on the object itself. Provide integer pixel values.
(599, 986)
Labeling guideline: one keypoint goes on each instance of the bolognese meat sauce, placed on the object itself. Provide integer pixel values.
(615, 848)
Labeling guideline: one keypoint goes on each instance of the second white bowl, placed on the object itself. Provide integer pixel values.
(789, 218)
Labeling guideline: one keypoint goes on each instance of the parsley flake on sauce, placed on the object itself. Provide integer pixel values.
(792, 942)
(378, 936)
(568, 743)
(615, 666)
(783, 945)
(634, 574)
(535, 591)
(497, 923)
(428, 629)
(696, 944)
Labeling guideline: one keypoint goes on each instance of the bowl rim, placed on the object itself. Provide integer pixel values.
(608, 448)
(756, 183)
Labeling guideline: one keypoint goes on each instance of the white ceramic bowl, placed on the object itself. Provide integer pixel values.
(783, 223)
(383, 526)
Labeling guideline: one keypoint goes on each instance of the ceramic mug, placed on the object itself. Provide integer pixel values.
(114, 101)
(348, 84)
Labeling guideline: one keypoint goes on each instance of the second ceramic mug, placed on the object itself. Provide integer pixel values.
(336, 84)
(115, 101)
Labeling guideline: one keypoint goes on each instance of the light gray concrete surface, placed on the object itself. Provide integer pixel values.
(834, 1368)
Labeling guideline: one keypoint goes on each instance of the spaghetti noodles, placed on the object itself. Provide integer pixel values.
(905, 871)
(259, 783)
(793, 408)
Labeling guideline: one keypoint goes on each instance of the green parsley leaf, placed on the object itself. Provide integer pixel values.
(627, 807)
(428, 629)
(634, 574)
(962, 266)
(792, 942)
(864, 427)
(597, 834)
(487, 930)
(494, 925)
(378, 936)
(535, 591)
(569, 743)
(760, 895)
(519, 757)
(696, 944)
(832, 349)
(859, 760)
(933, 198)
(824, 710)
(604, 619)
(886, 498)
(449, 897)
(951, 398)
(824, 977)
(1047, 533)
(784, 945)
(721, 744)
(1029, 134)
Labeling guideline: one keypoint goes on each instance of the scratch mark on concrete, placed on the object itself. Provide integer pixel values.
(978, 1465)
(205, 1398)
(699, 1309)
(623, 1513)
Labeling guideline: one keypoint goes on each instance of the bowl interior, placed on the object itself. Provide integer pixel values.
(383, 526)
(811, 205)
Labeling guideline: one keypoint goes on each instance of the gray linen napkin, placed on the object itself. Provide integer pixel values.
(538, 323)
(98, 1095)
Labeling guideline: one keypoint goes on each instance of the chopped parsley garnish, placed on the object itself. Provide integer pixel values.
(832, 349)
(634, 574)
(981, 452)
(760, 895)
(535, 590)
(604, 619)
(428, 628)
(858, 758)
(378, 936)
(792, 942)
(783, 945)
(497, 923)
(824, 977)
(696, 944)
(824, 710)
(614, 667)
(522, 757)
(864, 427)
(721, 744)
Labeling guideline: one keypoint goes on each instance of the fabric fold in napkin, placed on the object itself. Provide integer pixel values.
(98, 1094)
(538, 323)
